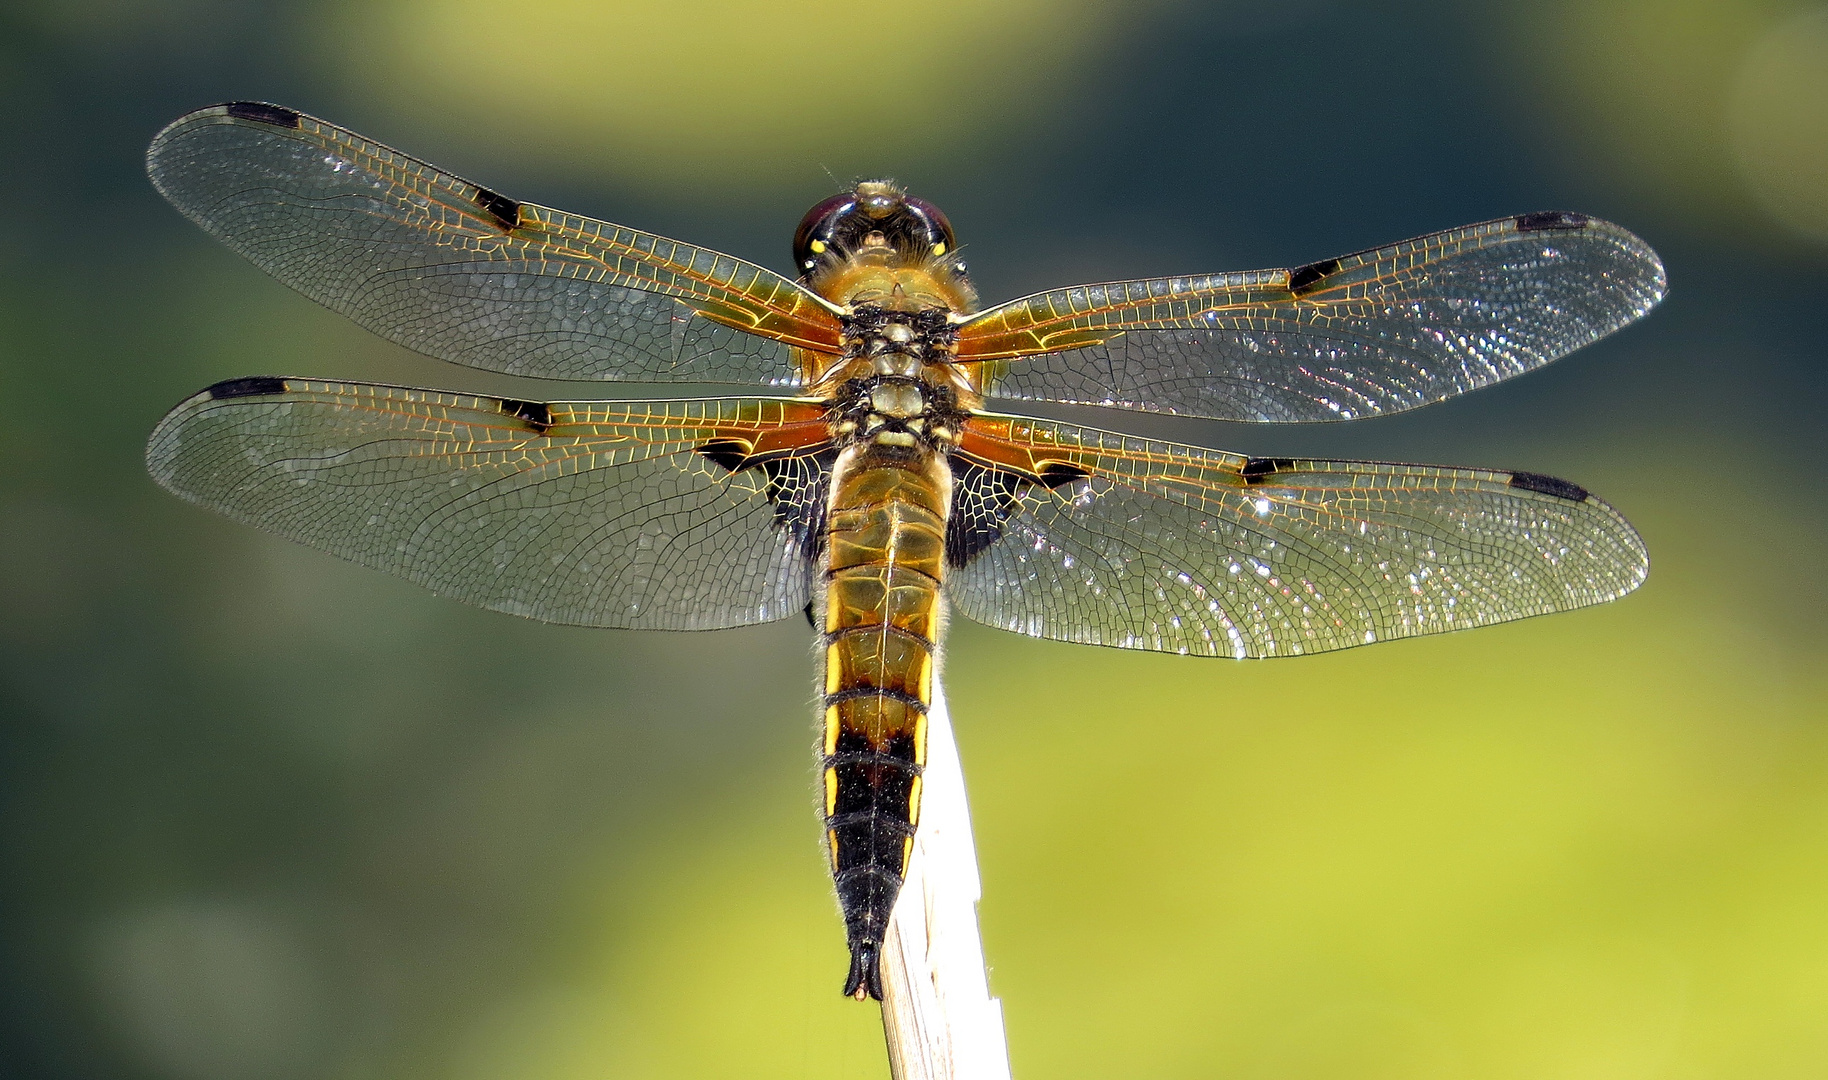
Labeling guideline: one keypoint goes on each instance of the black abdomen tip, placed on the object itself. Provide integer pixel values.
(254, 386)
(261, 112)
(865, 978)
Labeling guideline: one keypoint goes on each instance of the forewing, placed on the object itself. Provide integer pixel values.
(465, 274)
(1376, 332)
(1151, 545)
(638, 514)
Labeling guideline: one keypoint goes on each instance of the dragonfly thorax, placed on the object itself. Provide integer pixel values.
(924, 335)
(897, 411)
(909, 344)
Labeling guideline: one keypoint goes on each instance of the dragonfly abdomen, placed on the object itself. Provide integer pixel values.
(885, 558)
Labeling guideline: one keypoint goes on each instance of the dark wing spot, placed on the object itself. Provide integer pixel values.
(809, 620)
(504, 210)
(537, 415)
(263, 113)
(257, 386)
(982, 499)
(1304, 278)
(1059, 473)
(1257, 468)
(732, 454)
(1551, 219)
(799, 486)
(1548, 485)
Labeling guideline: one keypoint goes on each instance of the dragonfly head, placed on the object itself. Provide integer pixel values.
(875, 219)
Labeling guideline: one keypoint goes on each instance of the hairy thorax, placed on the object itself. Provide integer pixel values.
(894, 385)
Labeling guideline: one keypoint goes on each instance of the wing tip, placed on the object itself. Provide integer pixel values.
(161, 444)
(1574, 221)
(1624, 533)
(257, 112)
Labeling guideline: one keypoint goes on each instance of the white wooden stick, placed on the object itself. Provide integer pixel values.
(937, 1012)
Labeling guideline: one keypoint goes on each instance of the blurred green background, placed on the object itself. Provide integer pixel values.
(267, 815)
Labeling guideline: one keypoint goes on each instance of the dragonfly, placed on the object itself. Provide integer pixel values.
(870, 485)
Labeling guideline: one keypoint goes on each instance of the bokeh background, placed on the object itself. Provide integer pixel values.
(268, 815)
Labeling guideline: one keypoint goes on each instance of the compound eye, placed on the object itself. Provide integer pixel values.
(814, 234)
(939, 236)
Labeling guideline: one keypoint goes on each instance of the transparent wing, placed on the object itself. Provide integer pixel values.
(1107, 539)
(1376, 332)
(638, 514)
(464, 274)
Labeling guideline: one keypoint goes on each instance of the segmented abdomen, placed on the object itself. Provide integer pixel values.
(885, 557)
